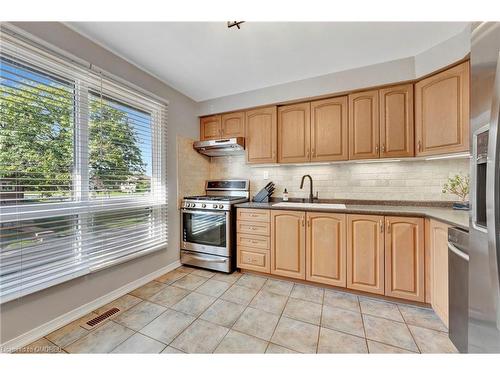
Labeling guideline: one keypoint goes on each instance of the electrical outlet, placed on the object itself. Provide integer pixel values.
(266, 175)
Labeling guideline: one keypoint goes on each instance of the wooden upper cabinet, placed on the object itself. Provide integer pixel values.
(288, 255)
(364, 125)
(396, 121)
(442, 112)
(404, 258)
(438, 241)
(210, 127)
(329, 141)
(294, 131)
(365, 253)
(233, 125)
(261, 135)
(326, 248)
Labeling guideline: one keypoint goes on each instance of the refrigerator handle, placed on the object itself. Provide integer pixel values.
(492, 183)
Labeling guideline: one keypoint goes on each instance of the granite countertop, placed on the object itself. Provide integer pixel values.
(442, 213)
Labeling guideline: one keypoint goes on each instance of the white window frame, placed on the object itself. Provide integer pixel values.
(85, 77)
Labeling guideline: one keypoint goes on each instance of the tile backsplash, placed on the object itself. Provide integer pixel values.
(405, 180)
(193, 169)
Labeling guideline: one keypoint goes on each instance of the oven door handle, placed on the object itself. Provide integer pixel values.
(211, 260)
(458, 252)
(219, 213)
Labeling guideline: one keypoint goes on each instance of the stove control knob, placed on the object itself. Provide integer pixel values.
(215, 206)
(203, 205)
(221, 206)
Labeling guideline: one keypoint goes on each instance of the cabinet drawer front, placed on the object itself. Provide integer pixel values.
(252, 240)
(253, 227)
(253, 215)
(253, 259)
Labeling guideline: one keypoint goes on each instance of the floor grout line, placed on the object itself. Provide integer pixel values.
(199, 318)
(239, 316)
(409, 330)
(363, 324)
(279, 319)
(246, 306)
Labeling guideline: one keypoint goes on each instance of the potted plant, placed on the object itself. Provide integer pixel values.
(459, 186)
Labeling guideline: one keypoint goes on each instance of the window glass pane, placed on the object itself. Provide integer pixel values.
(36, 135)
(120, 149)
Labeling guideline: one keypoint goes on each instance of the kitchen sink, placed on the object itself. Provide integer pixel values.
(334, 206)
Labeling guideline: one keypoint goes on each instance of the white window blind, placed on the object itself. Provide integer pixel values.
(82, 169)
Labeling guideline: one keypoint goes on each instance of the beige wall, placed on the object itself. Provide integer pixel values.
(27, 313)
(405, 180)
(410, 68)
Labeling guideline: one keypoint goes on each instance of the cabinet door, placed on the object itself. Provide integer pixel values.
(438, 240)
(288, 255)
(364, 125)
(260, 135)
(294, 132)
(210, 127)
(442, 112)
(329, 141)
(326, 248)
(404, 258)
(396, 121)
(365, 253)
(233, 125)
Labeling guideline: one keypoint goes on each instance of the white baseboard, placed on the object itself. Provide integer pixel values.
(60, 321)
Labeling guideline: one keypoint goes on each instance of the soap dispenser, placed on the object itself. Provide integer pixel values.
(285, 195)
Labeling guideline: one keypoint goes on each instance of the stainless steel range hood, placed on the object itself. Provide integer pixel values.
(221, 147)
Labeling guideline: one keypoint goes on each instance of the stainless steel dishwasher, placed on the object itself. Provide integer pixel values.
(458, 284)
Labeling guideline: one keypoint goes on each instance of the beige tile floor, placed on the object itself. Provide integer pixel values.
(197, 311)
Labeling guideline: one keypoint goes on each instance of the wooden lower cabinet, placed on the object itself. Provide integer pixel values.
(438, 248)
(404, 258)
(365, 253)
(397, 256)
(253, 259)
(326, 248)
(253, 240)
(288, 245)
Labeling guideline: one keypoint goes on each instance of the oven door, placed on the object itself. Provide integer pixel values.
(206, 231)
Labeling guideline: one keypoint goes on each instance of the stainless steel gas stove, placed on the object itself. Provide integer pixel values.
(208, 225)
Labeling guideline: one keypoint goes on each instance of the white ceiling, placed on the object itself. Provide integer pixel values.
(206, 60)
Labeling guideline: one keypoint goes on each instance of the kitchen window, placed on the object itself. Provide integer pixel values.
(82, 169)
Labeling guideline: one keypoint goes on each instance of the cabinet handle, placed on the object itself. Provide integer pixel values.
(302, 220)
(309, 222)
(307, 154)
(419, 146)
(388, 226)
(376, 148)
(383, 147)
(381, 226)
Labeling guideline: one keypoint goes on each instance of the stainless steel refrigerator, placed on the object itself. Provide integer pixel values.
(484, 241)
